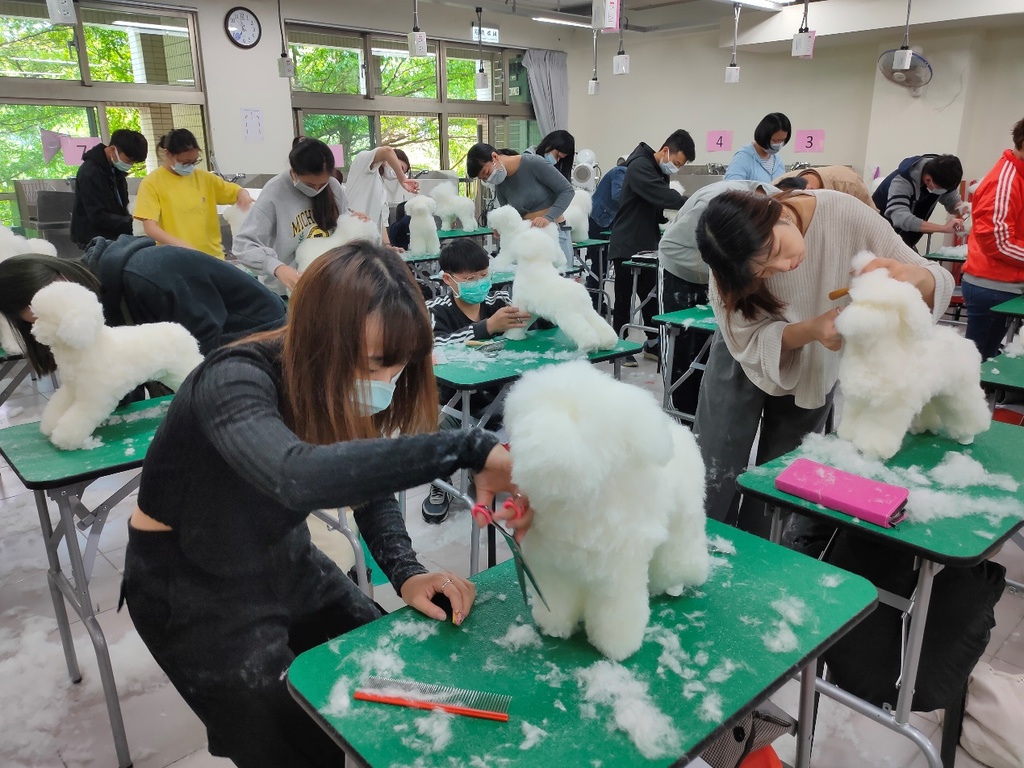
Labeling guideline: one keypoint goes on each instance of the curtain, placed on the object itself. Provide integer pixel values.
(548, 73)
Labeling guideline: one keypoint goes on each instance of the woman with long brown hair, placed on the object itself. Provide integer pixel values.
(774, 362)
(334, 410)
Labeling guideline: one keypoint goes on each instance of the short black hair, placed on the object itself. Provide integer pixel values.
(131, 143)
(463, 255)
(771, 124)
(945, 170)
(1018, 135)
(681, 141)
(792, 182)
(507, 152)
(478, 156)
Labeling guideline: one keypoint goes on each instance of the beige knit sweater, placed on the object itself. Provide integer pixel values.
(842, 226)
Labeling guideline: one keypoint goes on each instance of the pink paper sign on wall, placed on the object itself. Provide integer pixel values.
(808, 141)
(719, 141)
(73, 147)
(339, 155)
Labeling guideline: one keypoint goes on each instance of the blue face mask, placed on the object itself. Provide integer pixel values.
(475, 291)
(183, 169)
(374, 396)
(550, 157)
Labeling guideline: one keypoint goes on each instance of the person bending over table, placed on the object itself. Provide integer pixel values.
(139, 282)
(305, 201)
(529, 184)
(177, 202)
(221, 579)
(774, 361)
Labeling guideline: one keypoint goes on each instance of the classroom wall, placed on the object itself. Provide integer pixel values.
(977, 93)
(236, 79)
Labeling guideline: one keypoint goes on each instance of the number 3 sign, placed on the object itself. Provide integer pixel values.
(808, 141)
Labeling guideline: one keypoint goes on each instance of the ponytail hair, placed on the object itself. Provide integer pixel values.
(177, 141)
(313, 157)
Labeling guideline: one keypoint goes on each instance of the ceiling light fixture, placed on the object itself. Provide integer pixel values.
(761, 5)
(562, 22)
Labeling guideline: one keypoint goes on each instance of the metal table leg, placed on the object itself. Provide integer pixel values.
(805, 722)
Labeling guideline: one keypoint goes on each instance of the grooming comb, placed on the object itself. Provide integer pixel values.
(457, 701)
(838, 293)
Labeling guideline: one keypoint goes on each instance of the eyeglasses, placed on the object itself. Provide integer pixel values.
(197, 161)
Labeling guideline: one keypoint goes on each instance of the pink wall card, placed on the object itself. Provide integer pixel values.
(808, 141)
(74, 146)
(719, 141)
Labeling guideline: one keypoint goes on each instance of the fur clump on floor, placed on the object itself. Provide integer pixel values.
(617, 489)
(900, 372)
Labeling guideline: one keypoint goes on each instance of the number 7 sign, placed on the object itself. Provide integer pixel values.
(73, 147)
(808, 141)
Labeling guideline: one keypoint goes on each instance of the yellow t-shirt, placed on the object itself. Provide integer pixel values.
(186, 206)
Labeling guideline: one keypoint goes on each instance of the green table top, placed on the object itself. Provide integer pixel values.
(640, 264)
(5, 355)
(590, 243)
(126, 436)
(502, 277)
(701, 317)
(420, 259)
(1014, 307)
(1003, 373)
(952, 540)
(945, 257)
(468, 368)
(705, 661)
(452, 234)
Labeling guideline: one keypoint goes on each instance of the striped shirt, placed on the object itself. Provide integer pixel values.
(450, 324)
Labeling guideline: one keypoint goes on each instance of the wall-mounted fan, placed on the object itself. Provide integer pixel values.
(903, 66)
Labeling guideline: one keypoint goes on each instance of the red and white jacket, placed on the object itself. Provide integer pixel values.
(995, 249)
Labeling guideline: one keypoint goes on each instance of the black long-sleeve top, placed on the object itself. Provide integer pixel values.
(227, 474)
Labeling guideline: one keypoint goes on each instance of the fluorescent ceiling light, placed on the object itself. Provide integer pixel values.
(761, 5)
(563, 22)
(146, 27)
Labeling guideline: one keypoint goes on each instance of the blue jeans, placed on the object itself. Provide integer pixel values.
(984, 328)
(565, 241)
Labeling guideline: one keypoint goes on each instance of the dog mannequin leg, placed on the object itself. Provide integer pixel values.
(683, 560)
(616, 614)
(80, 420)
(59, 403)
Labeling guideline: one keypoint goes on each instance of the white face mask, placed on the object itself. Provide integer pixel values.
(938, 191)
(668, 167)
(498, 174)
(776, 147)
(307, 190)
(120, 164)
(183, 169)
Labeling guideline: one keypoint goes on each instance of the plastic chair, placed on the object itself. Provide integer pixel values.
(53, 216)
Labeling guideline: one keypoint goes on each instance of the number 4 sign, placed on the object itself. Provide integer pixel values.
(719, 141)
(808, 141)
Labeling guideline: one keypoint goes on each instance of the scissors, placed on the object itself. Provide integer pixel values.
(483, 513)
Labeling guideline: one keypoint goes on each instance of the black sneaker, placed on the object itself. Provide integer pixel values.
(652, 351)
(435, 506)
(629, 361)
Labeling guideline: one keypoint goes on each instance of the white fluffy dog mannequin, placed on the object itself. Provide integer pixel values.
(900, 372)
(577, 215)
(507, 222)
(617, 489)
(539, 289)
(100, 365)
(423, 240)
(349, 228)
(452, 207)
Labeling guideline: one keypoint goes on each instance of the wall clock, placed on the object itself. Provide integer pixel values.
(242, 27)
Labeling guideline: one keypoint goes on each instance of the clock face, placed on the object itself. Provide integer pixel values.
(243, 27)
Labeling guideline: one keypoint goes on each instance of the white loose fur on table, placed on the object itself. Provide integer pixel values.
(617, 489)
(16, 245)
(423, 240)
(539, 289)
(452, 207)
(508, 225)
(100, 365)
(900, 372)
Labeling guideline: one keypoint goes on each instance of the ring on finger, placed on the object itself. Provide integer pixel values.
(446, 583)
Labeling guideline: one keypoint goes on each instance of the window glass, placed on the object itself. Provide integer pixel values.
(138, 48)
(462, 66)
(32, 47)
(327, 63)
(353, 132)
(418, 135)
(400, 74)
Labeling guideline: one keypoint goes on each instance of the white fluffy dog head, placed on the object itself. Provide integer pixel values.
(67, 314)
(582, 201)
(604, 426)
(533, 246)
(505, 220)
(235, 216)
(349, 228)
(882, 306)
(421, 205)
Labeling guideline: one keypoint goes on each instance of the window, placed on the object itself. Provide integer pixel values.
(21, 148)
(32, 47)
(462, 65)
(463, 132)
(516, 134)
(138, 48)
(417, 135)
(518, 82)
(399, 74)
(328, 63)
(353, 132)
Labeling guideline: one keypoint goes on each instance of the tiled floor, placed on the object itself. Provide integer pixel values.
(47, 722)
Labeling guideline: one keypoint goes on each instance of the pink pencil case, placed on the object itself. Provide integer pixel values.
(862, 497)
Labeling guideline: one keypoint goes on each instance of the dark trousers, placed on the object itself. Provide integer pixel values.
(226, 643)
(729, 411)
(984, 328)
(646, 283)
(682, 294)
